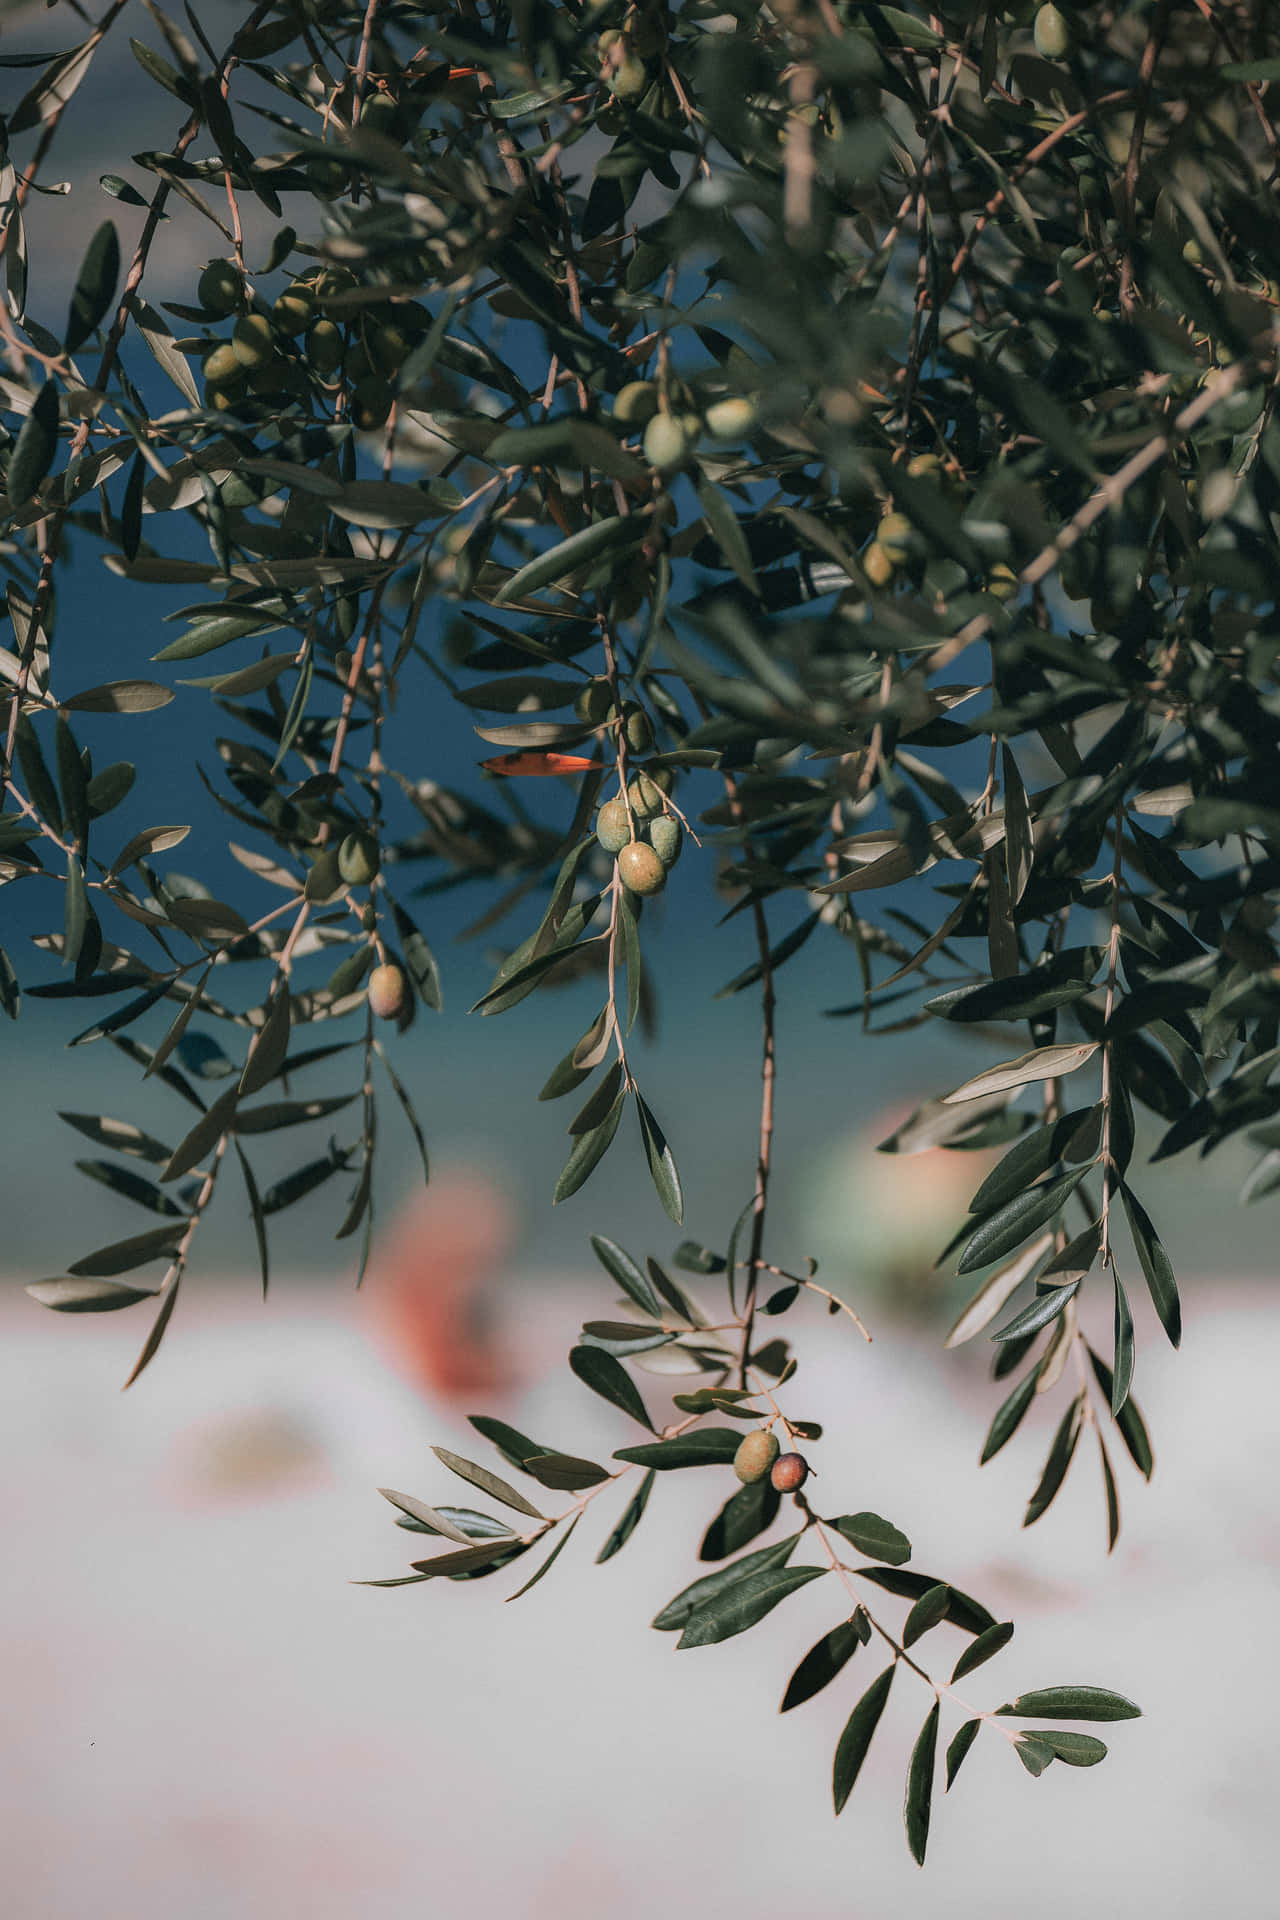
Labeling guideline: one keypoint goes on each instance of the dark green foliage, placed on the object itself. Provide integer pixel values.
(885, 494)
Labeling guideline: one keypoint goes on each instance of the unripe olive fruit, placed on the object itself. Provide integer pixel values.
(388, 992)
(388, 346)
(326, 177)
(636, 404)
(220, 288)
(666, 837)
(755, 1456)
(1052, 33)
(629, 78)
(641, 869)
(324, 347)
(894, 534)
(877, 564)
(294, 309)
(594, 703)
(668, 439)
(645, 796)
(253, 341)
(730, 419)
(358, 859)
(370, 403)
(609, 38)
(613, 829)
(1193, 253)
(923, 464)
(789, 1472)
(639, 730)
(223, 369)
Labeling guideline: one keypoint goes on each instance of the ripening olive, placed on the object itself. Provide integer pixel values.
(294, 309)
(666, 836)
(220, 288)
(645, 796)
(669, 438)
(755, 1456)
(388, 992)
(253, 341)
(877, 564)
(640, 868)
(613, 829)
(789, 1473)
(636, 403)
(324, 347)
(1052, 33)
(730, 419)
(358, 859)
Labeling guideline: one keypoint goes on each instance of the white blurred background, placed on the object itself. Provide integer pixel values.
(207, 1719)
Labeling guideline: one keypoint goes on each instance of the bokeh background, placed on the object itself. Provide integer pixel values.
(205, 1717)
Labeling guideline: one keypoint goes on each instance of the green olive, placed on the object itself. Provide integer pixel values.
(613, 829)
(370, 404)
(630, 78)
(666, 837)
(730, 419)
(755, 1457)
(645, 796)
(894, 535)
(294, 309)
(594, 703)
(358, 859)
(640, 868)
(1052, 33)
(669, 439)
(636, 403)
(220, 288)
(326, 177)
(324, 348)
(878, 564)
(254, 341)
(222, 367)
(639, 728)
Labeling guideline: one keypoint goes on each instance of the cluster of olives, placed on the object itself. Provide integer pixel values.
(645, 843)
(888, 549)
(258, 363)
(760, 1457)
(671, 436)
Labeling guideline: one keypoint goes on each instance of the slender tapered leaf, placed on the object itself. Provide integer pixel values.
(919, 1798)
(856, 1738)
(821, 1665)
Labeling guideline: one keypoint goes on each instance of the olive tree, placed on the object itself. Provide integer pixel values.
(829, 443)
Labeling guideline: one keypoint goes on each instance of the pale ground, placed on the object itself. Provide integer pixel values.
(207, 1721)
